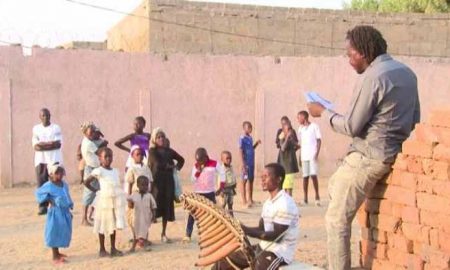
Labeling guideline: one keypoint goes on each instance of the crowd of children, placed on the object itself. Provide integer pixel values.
(149, 190)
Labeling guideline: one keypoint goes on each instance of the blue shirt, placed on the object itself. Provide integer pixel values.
(246, 144)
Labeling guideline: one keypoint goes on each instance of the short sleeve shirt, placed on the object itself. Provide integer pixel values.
(47, 134)
(134, 172)
(281, 210)
(308, 138)
(88, 151)
(246, 144)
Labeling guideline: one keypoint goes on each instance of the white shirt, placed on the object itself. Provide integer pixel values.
(281, 210)
(308, 136)
(46, 134)
(88, 151)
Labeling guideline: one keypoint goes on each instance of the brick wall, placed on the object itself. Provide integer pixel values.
(214, 28)
(406, 219)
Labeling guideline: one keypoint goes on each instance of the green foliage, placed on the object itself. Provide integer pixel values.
(420, 6)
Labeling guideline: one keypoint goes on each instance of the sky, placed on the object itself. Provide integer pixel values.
(49, 23)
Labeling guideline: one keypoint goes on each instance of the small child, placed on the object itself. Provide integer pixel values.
(89, 152)
(110, 202)
(204, 175)
(142, 210)
(137, 169)
(97, 139)
(229, 188)
(58, 228)
(247, 150)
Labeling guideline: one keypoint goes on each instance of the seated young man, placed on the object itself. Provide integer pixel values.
(277, 230)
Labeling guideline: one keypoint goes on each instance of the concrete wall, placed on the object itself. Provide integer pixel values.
(199, 100)
(214, 28)
(132, 33)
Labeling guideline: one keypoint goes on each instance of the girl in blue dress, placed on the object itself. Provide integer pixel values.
(58, 228)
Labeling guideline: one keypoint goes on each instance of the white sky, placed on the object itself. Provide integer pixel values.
(49, 23)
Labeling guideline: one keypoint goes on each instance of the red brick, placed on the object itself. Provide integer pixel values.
(435, 257)
(444, 242)
(363, 218)
(441, 152)
(433, 203)
(409, 182)
(379, 236)
(366, 234)
(367, 247)
(437, 220)
(440, 118)
(401, 243)
(410, 214)
(397, 177)
(414, 165)
(441, 188)
(415, 262)
(384, 222)
(441, 170)
(425, 183)
(434, 238)
(383, 265)
(378, 192)
(366, 261)
(411, 231)
(425, 133)
(416, 148)
(428, 266)
(427, 166)
(397, 210)
(381, 251)
(401, 195)
(443, 135)
(397, 257)
(401, 163)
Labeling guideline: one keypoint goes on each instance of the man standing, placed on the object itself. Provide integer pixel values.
(383, 112)
(46, 142)
(310, 141)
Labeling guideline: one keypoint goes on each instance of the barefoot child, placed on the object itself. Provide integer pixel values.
(247, 150)
(110, 203)
(204, 175)
(142, 209)
(229, 188)
(58, 228)
(138, 168)
(89, 151)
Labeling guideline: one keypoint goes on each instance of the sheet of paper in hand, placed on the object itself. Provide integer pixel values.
(314, 97)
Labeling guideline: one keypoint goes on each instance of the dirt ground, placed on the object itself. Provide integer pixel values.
(22, 242)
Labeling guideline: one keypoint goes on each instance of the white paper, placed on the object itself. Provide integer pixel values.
(314, 97)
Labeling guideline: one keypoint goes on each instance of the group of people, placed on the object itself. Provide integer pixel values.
(384, 109)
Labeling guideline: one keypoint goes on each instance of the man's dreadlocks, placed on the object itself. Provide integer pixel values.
(368, 41)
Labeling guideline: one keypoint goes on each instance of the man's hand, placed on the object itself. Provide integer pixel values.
(258, 142)
(315, 109)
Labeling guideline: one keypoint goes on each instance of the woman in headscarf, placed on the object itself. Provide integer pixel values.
(161, 161)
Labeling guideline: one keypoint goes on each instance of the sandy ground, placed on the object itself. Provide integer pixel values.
(22, 245)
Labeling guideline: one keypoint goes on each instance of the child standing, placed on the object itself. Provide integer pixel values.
(58, 228)
(204, 175)
(139, 138)
(229, 188)
(137, 169)
(287, 142)
(89, 151)
(143, 209)
(110, 203)
(97, 139)
(247, 150)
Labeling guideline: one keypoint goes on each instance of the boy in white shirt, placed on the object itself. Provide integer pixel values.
(310, 142)
(47, 139)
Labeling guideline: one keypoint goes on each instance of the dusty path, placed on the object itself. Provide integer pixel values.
(22, 246)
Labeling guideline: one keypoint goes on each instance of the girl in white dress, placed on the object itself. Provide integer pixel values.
(110, 202)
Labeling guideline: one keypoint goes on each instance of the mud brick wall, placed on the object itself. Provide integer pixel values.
(405, 222)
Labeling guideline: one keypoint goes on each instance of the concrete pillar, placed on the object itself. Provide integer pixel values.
(6, 173)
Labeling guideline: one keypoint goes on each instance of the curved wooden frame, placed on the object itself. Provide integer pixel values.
(220, 234)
